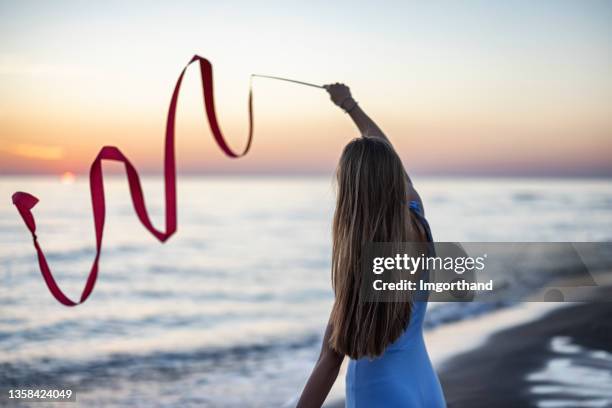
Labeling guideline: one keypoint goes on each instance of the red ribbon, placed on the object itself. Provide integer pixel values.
(25, 202)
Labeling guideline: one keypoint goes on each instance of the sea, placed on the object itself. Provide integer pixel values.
(229, 312)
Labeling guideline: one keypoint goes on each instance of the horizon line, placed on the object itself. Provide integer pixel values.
(291, 174)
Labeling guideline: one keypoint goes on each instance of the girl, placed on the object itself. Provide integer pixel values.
(389, 365)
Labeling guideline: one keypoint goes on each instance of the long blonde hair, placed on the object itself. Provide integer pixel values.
(371, 207)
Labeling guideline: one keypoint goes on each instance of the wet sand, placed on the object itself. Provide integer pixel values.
(563, 359)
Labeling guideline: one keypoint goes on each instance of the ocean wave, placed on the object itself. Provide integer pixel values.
(152, 366)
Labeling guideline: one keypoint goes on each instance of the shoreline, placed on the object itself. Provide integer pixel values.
(561, 359)
(509, 346)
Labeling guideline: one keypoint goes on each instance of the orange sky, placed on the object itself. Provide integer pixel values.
(476, 88)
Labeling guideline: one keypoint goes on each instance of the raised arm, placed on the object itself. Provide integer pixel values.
(323, 375)
(340, 95)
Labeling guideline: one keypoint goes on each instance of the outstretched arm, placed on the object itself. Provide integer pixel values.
(340, 95)
(323, 375)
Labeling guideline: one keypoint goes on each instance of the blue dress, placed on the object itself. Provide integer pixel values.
(403, 375)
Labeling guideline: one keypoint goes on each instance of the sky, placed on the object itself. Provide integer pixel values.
(521, 88)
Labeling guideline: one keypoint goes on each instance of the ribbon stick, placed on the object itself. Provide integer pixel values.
(290, 80)
(25, 202)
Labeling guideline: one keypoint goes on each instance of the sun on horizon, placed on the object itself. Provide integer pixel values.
(67, 177)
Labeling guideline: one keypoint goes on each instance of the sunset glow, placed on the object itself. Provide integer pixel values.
(40, 152)
(490, 88)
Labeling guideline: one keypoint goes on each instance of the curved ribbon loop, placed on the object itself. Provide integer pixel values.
(25, 202)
